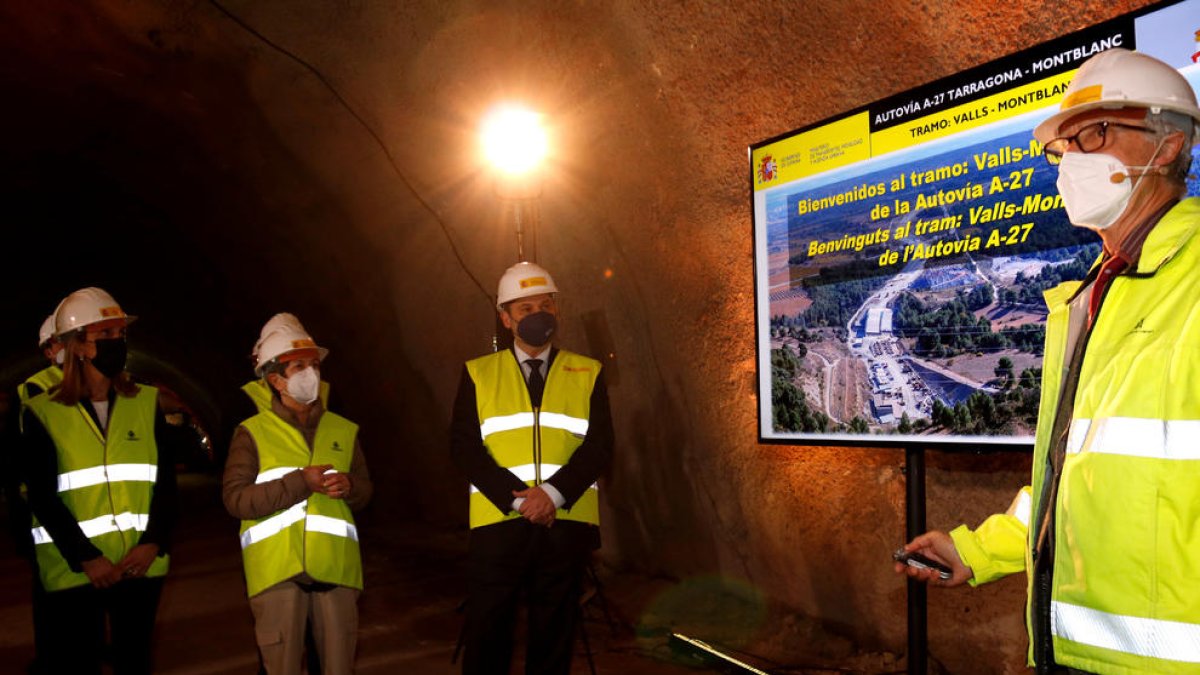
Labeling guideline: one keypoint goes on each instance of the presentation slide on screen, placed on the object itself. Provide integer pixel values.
(902, 250)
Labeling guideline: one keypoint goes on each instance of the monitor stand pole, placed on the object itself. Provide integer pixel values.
(914, 506)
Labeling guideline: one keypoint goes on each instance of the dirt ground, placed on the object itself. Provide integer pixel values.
(409, 616)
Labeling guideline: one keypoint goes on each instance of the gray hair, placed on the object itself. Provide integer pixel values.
(1167, 122)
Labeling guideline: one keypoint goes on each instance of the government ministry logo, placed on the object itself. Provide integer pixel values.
(767, 169)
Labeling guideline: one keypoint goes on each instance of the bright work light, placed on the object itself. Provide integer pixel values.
(514, 140)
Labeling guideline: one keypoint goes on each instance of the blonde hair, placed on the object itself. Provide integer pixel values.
(73, 386)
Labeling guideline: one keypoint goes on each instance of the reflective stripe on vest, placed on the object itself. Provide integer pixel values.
(1155, 638)
(507, 423)
(1021, 507)
(106, 480)
(524, 420)
(335, 526)
(527, 472)
(1135, 437)
(122, 522)
(275, 524)
(275, 474)
(112, 473)
(316, 536)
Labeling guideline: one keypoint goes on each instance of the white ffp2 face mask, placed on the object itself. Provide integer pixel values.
(304, 385)
(1092, 199)
(1096, 187)
(60, 357)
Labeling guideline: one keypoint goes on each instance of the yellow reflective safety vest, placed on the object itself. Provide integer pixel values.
(1124, 596)
(510, 427)
(106, 480)
(316, 536)
(259, 392)
(44, 378)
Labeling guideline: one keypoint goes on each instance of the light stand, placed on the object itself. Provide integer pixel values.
(521, 197)
(515, 143)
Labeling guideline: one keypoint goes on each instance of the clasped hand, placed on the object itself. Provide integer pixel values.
(104, 574)
(323, 479)
(537, 508)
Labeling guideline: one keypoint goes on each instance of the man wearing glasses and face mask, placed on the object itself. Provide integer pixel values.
(532, 433)
(1107, 530)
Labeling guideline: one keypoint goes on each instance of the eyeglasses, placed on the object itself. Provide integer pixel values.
(1088, 139)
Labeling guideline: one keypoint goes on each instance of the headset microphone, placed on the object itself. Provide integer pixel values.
(1122, 176)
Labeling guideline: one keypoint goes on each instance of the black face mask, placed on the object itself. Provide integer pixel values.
(535, 330)
(110, 356)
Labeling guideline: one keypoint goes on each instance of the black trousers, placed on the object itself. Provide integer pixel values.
(547, 565)
(42, 627)
(76, 618)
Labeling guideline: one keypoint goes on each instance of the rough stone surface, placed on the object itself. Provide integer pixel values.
(319, 157)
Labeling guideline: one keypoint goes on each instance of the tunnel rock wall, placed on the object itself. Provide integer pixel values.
(328, 167)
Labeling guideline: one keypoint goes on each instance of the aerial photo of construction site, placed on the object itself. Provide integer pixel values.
(952, 349)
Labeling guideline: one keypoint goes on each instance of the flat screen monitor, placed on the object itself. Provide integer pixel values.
(901, 250)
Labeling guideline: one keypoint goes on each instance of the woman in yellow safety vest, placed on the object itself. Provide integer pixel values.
(294, 474)
(102, 494)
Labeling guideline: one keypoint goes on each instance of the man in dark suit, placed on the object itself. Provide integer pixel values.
(532, 432)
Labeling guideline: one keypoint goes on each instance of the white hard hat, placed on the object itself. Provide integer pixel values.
(46, 332)
(280, 320)
(523, 280)
(1119, 78)
(287, 337)
(85, 307)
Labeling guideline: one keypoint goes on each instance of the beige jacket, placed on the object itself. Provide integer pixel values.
(246, 500)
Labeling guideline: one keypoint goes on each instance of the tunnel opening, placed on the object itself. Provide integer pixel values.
(153, 174)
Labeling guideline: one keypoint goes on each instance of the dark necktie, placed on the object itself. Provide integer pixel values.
(537, 383)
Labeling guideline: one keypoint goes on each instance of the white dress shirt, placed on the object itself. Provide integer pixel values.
(522, 358)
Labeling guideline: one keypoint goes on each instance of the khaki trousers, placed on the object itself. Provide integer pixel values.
(280, 614)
